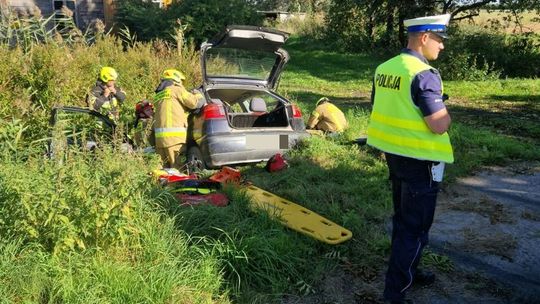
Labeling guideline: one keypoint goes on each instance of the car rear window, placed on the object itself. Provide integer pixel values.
(237, 63)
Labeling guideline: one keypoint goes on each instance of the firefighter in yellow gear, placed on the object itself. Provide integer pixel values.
(172, 102)
(106, 97)
(327, 117)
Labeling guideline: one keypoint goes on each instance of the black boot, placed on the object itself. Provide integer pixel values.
(423, 278)
(404, 301)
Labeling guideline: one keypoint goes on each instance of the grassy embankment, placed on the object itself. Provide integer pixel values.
(96, 229)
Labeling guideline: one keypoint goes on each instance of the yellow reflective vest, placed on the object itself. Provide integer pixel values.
(170, 117)
(397, 125)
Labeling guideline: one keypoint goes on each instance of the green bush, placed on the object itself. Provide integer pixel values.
(465, 66)
(88, 199)
(145, 19)
(487, 55)
(203, 19)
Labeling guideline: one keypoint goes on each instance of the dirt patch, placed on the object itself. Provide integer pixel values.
(484, 246)
(485, 206)
(487, 224)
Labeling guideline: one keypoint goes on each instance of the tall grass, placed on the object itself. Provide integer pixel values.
(160, 265)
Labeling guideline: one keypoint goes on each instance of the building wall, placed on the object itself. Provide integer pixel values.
(85, 12)
(27, 7)
(89, 10)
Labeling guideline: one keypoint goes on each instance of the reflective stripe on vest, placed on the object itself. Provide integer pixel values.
(170, 132)
(397, 125)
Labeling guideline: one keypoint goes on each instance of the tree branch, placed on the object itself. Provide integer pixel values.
(470, 7)
(466, 17)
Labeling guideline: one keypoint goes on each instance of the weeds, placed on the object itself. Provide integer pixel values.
(441, 262)
(158, 264)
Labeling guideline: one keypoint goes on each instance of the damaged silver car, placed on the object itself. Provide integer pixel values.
(244, 120)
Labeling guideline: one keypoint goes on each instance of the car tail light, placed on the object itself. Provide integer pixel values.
(296, 112)
(213, 111)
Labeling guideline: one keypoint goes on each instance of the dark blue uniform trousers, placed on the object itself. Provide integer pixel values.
(414, 195)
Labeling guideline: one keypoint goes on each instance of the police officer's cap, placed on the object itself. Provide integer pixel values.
(434, 24)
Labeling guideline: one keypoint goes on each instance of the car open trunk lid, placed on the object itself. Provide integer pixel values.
(244, 55)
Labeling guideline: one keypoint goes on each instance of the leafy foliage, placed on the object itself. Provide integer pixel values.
(204, 18)
(87, 200)
(145, 18)
(377, 26)
(487, 55)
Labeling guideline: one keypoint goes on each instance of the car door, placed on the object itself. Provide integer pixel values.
(79, 127)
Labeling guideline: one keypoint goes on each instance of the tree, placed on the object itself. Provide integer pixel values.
(380, 22)
(202, 18)
(307, 6)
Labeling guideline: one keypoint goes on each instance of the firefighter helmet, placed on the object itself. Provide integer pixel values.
(174, 75)
(107, 73)
(322, 100)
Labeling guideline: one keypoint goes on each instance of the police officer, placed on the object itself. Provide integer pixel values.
(172, 101)
(106, 97)
(327, 117)
(408, 123)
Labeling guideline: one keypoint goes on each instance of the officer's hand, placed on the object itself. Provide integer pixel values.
(106, 92)
(112, 89)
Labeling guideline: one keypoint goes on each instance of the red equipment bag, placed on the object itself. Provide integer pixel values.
(217, 199)
(276, 163)
(144, 109)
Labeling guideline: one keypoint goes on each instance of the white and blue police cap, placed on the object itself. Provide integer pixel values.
(434, 24)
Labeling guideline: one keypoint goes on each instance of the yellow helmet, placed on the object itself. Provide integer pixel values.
(322, 100)
(173, 75)
(107, 73)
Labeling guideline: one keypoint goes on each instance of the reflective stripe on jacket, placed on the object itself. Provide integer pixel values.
(327, 117)
(170, 117)
(397, 125)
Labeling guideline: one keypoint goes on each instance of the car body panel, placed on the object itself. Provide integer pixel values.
(229, 149)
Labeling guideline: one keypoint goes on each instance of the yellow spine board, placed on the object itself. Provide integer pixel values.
(297, 217)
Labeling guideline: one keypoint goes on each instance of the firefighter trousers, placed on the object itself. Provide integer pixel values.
(171, 156)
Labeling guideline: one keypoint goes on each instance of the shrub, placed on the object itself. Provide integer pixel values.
(203, 18)
(86, 200)
(486, 55)
(465, 66)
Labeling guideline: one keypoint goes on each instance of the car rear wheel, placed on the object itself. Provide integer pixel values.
(194, 159)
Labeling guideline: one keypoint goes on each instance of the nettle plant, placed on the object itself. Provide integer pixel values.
(89, 199)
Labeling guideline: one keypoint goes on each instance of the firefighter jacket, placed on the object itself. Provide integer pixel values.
(110, 105)
(397, 125)
(172, 102)
(327, 117)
